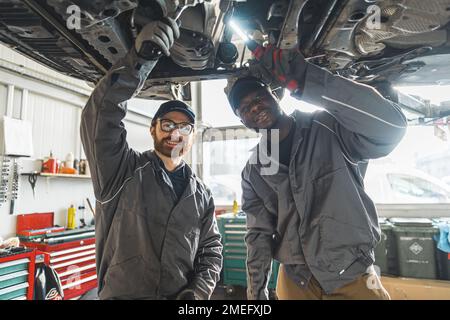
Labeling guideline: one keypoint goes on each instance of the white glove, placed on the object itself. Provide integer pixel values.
(157, 34)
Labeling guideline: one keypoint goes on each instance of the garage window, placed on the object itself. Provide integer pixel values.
(223, 163)
(418, 170)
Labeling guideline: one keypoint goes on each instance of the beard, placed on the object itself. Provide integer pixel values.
(272, 125)
(169, 151)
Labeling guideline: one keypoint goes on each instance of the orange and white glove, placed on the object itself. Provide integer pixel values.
(275, 66)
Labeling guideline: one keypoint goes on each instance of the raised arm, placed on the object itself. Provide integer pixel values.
(369, 125)
(102, 131)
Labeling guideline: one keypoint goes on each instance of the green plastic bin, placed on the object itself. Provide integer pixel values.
(233, 229)
(386, 250)
(415, 247)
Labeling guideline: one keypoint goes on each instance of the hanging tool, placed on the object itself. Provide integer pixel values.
(4, 180)
(14, 186)
(90, 206)
(32, 178)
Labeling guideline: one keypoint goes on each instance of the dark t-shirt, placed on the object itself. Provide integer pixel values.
(285, 147)
(294, 272)
(179, 179)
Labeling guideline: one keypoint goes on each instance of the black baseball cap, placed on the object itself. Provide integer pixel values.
(174, 105)
(241, 88)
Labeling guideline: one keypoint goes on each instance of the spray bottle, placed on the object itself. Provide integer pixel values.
(71, 217)
(235, 208)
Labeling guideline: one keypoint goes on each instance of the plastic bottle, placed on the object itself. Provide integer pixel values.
(87, 171)
(235, 208)
(71, 217)
(50, 165)
(82, 166)
(69, 160)
(76, 165)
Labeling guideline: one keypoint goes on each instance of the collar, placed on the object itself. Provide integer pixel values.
(181, 166)
(158, 165)
(302, 120)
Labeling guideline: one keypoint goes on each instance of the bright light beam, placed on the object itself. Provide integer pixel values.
(238, 30)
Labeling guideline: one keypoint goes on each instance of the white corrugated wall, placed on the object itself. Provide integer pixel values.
(55, 126)
(53, 103)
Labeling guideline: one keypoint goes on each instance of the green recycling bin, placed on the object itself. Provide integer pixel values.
(415, 247)
(386, 250)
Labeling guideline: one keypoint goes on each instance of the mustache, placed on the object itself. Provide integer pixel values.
(267, 110)
(179, 139)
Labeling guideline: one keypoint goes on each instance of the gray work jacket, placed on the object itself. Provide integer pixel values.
(148, 245)
(326, 219)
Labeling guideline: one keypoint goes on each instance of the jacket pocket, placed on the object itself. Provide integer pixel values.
(128, 280)
(342, 243)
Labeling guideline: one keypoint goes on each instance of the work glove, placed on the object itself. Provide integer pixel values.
(279, 68)
(156, 38)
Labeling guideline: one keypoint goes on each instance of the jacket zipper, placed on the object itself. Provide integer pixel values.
(165, 234)
(345, 269)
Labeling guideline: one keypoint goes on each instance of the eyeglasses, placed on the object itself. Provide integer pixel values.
(185, 128)
(245, 108)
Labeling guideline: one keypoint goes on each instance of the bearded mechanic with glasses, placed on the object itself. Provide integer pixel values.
(156, 233)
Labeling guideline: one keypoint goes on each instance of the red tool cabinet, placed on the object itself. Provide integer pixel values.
(73, 261)
(17, 275)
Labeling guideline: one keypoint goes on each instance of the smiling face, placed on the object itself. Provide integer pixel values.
(172, 144)
(259, 110)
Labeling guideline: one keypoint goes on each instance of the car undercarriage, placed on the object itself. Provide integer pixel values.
(381, 43)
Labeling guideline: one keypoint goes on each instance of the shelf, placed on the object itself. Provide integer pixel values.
(58, 175)
(64, 175)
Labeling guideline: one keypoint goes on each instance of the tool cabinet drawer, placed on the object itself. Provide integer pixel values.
(12, 279)
(14, 292)
(14, 266)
